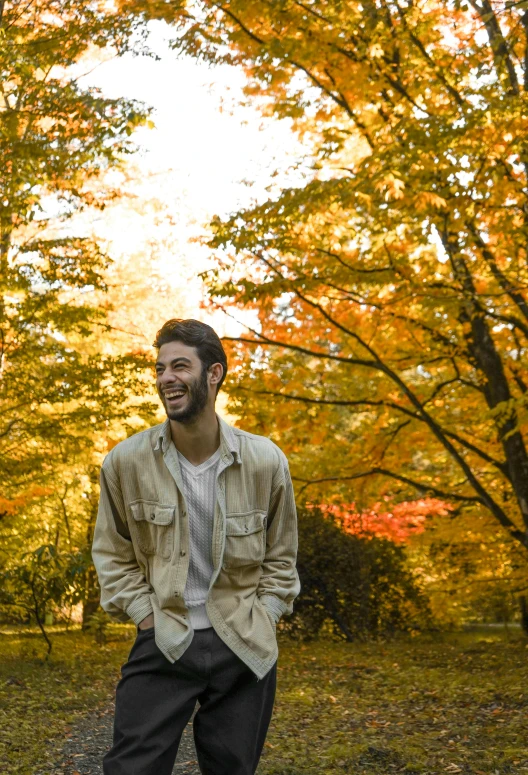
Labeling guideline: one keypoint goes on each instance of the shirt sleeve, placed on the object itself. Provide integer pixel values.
(279, 583)
(125, 593)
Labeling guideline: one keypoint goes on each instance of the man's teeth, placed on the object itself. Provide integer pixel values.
(175, 394)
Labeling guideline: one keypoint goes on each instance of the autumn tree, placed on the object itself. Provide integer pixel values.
(61, 392)
(388, 286)
(39, 578)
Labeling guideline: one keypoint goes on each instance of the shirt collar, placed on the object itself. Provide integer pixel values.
(229, 440)
(229, 443)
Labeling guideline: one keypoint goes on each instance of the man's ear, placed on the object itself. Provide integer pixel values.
(216, 372)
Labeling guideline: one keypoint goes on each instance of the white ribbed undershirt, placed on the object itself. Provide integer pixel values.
(199, 489)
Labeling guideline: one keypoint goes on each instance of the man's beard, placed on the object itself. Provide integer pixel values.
(197, 393)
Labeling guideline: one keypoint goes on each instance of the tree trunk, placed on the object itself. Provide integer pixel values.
(90, 604)
(524, 613)
(40, 622)
(91, 599)
(488, 361)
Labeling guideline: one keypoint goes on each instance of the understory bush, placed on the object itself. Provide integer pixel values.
(357, 586)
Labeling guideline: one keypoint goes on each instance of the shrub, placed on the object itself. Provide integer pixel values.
(358, 586)
(97, 626)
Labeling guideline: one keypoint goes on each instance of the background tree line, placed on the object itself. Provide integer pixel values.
(71, 382)
(388, 286)
(388, 353)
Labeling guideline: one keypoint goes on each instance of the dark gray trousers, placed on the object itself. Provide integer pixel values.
(156, 698)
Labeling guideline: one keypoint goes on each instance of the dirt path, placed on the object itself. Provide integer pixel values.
(91, 739)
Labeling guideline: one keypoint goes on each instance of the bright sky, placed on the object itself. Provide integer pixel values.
(194, 161)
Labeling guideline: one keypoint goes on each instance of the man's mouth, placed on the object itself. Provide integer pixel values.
(173, 395)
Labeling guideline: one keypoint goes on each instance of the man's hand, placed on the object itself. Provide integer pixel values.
(147, 622)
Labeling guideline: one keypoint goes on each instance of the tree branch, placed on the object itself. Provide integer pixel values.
(376, 470)
(389, 405)
(377, 364)
(358, 270)
(499, 46)
(497, 273)
(438, 71)
(242, 26)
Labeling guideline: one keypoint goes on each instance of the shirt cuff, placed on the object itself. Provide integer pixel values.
(140, 608)
(275, 607)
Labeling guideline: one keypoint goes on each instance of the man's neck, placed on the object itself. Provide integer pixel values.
(199, 440)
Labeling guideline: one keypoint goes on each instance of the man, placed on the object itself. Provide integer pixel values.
(196, 542)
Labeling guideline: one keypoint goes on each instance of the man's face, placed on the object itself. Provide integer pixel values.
(181, 381)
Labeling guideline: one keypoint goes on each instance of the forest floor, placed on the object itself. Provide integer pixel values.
(433, 704)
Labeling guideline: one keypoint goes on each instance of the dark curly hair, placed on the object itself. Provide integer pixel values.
(195, 334)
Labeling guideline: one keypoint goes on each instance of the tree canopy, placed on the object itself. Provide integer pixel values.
(61, 392)
(385, 290)
(388, 288)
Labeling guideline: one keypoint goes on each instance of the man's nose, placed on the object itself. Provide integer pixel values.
(166, 378)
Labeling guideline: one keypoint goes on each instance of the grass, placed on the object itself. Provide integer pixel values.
(452, 703)
(39, 701)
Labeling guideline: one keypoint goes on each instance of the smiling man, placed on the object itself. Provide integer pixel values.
(196, 542)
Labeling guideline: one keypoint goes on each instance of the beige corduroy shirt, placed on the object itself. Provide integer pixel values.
(141, 542)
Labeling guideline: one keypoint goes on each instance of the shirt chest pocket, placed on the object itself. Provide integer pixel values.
(153, 527)
(245, 539)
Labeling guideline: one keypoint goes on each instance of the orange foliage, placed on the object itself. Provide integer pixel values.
(10, 506)
(397, 524)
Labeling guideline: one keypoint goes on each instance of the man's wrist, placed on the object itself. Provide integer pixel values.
(147, 622)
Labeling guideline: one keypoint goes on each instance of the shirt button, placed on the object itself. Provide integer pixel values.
(152, 516)
(182, 554)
